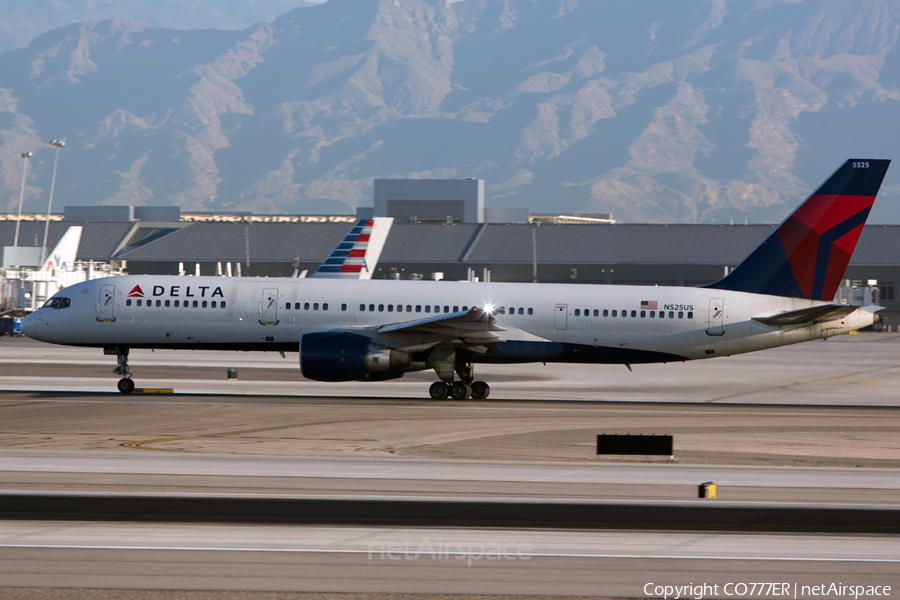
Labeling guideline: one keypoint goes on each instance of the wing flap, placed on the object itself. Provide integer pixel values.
(808, 316)
(476, 324)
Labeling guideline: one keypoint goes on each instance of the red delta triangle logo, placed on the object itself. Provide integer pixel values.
(136, 292)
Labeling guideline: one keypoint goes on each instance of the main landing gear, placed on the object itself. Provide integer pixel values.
(124, 385)
(459, 390)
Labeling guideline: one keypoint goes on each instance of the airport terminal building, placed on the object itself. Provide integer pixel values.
(614, 254)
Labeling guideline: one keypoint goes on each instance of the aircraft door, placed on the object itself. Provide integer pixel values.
(715, 324)
(268, 307)
(106, 304)
(559, 316)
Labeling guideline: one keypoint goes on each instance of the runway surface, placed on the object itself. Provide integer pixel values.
(854, 369)
(277, 483)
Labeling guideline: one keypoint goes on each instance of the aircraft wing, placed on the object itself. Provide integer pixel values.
(808, 316)
(474, 326)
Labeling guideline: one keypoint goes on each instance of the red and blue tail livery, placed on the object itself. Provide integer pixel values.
(807, 255)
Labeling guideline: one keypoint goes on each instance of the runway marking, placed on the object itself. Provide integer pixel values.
(652, 408)
(455, 553)
(801, 383)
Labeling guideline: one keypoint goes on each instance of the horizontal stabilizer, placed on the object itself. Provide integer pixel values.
(808, 316)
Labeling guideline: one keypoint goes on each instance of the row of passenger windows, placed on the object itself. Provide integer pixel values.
(307, 305)
(644, 314)
(177, 303)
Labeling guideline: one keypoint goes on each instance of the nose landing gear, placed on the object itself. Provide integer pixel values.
(124, 385)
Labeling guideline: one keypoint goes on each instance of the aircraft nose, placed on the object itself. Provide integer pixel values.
(29, 326)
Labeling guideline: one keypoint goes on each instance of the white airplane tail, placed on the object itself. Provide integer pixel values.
(62, 257)
(357, 254)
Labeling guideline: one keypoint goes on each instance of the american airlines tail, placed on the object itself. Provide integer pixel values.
(807, 255)
(357, 254)
(62, 258)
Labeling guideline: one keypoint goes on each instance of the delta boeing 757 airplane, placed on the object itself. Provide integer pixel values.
(372, 330)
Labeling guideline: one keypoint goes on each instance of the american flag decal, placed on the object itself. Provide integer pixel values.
(648, 304)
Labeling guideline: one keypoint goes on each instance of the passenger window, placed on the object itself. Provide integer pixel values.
(606, 313)
(287, 306)
(614, 313)
(362, 308)
(195, 304)
(343, 307)
(168, 303)
(223, 304)
(139, 303)
(521, 311)
(671, 314)
(587, 312)
(127, 302)
(624, 313)
(577, 312)
(213, 304)
(371, 308)
(177, 304)
(596, 313)
(662, 314)
(428, 308)
(381, 308)
(306, 306)
(455, 309)
(530, 311)
(203, 304)
(316, 306)
(652, 314)
(446, 309)
(512, 310)
(324, 306)
(296, 306)
(634, 313)
(418, 308)
(680, 315)
(643, 313)
(690, 315)
(390, 308)
(409, 308)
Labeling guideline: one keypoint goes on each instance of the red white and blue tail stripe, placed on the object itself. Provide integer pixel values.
(357, 254)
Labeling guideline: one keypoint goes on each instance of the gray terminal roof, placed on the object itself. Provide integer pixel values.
(437, 243)
(98, 240)
(215, 241)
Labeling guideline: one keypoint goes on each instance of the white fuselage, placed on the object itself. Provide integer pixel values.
(253, 314)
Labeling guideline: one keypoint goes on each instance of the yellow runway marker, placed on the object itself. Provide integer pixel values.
(153, 391)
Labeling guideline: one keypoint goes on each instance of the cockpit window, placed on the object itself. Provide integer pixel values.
(57, 303)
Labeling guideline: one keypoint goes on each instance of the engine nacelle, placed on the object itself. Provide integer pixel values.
(330, 356)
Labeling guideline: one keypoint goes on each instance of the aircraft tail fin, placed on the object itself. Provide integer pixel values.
(806, 256)
(357, 254)
(62, 257)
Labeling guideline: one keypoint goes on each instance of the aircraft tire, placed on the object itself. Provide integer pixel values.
(439, 390)
(460, 390)
(125, 385)
(480, 390)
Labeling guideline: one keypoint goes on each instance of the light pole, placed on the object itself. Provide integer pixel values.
(26, 156)
(56, 144)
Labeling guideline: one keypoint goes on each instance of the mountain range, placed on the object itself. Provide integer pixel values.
(654, 111)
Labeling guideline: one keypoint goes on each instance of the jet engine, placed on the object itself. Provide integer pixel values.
(330, 356)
